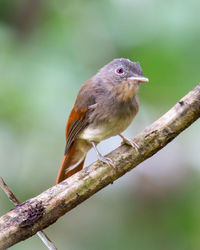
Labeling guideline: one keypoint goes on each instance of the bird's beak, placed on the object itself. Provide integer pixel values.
(138, 78)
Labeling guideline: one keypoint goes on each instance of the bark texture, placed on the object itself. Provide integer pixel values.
(41, 211)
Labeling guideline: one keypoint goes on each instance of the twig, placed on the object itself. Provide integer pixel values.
(15, 201)
(9, 192)
(41, 211)
(46, 240)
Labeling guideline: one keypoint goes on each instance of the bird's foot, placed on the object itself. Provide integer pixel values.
(101, 157)
(106, 160)
(129, 142)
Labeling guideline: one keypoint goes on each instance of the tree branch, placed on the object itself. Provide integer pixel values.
(11, 196)
(37, 213)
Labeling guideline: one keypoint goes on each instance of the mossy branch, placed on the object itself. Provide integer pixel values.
(39, 212)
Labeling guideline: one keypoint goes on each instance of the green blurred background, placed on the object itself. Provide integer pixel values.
(47, 50)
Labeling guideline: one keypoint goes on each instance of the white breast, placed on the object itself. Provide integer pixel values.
(104, 131)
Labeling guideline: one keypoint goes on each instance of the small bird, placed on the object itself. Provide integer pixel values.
(105, 106)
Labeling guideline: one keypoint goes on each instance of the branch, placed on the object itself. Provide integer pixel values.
(37, 213)
(13, 199)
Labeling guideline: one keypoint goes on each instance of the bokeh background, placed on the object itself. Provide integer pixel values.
(47, 50)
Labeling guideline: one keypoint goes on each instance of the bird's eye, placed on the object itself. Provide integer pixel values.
(120, 71)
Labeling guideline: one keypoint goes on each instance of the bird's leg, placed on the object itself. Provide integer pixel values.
(101, 157)
(129, 142)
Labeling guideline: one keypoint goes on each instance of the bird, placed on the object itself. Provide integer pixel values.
(105, 106)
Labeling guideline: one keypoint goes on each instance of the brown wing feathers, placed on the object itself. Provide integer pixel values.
(76, 149)
(73, 152)
(75, 125)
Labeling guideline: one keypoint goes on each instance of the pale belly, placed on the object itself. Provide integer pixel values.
(106, 130)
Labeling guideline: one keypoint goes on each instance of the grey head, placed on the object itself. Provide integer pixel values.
(121, 70)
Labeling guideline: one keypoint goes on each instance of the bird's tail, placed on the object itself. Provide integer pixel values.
(72, 162)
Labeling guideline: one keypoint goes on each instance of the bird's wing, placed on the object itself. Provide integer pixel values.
(76, 123)
(78, 119)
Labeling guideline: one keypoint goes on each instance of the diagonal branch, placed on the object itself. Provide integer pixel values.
(39, 212)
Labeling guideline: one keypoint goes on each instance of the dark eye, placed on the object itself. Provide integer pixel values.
(120, 70)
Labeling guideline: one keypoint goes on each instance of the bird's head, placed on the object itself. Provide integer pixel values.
(121, 71)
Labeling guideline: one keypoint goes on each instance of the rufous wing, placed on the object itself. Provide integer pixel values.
(74, 156)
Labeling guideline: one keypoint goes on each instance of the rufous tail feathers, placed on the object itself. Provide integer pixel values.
(72, 162)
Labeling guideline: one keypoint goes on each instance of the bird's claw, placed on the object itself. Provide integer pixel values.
(130, 143)
(101, 157)
(106, 160)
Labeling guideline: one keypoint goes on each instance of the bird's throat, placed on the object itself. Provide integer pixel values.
(126, 91)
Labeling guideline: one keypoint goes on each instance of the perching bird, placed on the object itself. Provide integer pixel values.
(105, 106)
